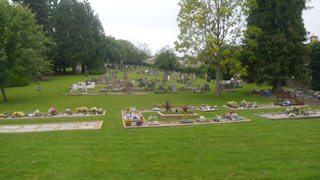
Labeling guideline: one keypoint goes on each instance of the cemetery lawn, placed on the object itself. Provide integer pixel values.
(261, 149)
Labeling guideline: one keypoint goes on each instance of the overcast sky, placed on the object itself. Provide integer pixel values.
(154, 21)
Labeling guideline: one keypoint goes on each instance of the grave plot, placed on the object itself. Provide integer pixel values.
(204, 108)
(244, 105)
(53, 113)
(132, 118)
(313, 114)
(23, 128)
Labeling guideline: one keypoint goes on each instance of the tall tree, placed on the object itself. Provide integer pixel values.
(166, 59)
(209, 29)
(315, 65)
(79, 36)
(279, 51)
(22, 42)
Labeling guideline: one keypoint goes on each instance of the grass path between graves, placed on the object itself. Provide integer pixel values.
(262, 149)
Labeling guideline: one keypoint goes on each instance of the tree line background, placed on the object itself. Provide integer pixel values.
(48, 36)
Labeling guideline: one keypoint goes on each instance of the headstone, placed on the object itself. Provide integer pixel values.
(172, 88)
(208, 79)
(206, 87)
(113, 75)
(151, 85)
(169, 77)
(39, 87)
(194, 76)
(144, 78)
(86, 73)
(106, 76)
(206, 75)
(157, 73)
(160, 90)
(142, 84)
(125, 74)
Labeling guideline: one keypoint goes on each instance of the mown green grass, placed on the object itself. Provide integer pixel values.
(261, 149)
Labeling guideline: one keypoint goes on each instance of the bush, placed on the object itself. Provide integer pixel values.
(17, 81)
(96, 71)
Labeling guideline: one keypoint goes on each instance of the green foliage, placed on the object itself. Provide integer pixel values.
(79, 35)
(315, 65)
(167, 60)
(209, 31)
(17, 81)
(22, 45)
(274, 41)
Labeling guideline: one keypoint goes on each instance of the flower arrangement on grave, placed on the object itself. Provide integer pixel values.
(78, 109)
(184, 109)
(84, 109)
(18, 114)
(291, 115)
(1, 115)
(128, 122)
(134, 116)
(68, 111)
(232, 104)
(93, 110)
(255, 104)
(36, 113)
(100, 111)
(296, 108)
(167, 107)
(139, 122)
(131, 109)
(52, 111)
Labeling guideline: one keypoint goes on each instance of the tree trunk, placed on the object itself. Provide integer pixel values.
(3, 93)
(218, 94)
(64, 69)
(277, 86)
(74, 69)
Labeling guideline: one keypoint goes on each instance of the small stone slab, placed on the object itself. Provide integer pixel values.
(23, 128)
(283, 116)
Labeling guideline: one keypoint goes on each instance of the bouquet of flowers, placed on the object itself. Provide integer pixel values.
(84, 109)
(18, 114)
(52, 111)
(232, 104)
(127, 122)
(100, 111)
(94, 109)
(37, 113)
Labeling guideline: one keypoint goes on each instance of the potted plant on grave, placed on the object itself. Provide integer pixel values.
(68, 111)
(18, 114)
(52, 111)
(93, 110)
(139, 122)
(100, 111)
(127, 122)
(167, 107)
(78, 109)
(232, 104)
(36, 113)
(84, 109)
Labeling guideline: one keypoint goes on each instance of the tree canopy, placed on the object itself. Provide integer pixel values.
(276, 52)
(22, 43)
(79, 36)
(210, 29)
(315, 65)
(166, 59)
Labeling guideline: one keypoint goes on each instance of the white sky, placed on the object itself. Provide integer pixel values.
(154, 21)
